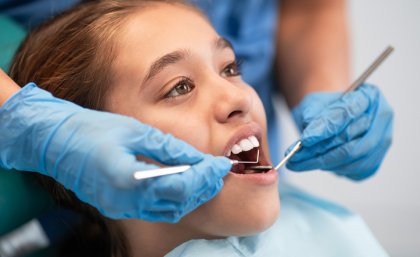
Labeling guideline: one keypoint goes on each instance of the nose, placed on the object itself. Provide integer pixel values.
(232, 101)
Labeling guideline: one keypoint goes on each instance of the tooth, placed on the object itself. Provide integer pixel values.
(229, 153)
(236, 149)
(246, 145)
(254, 141)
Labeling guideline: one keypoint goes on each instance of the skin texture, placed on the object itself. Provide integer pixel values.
(219, 106)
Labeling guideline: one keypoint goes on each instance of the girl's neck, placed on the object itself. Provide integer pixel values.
(154, 239)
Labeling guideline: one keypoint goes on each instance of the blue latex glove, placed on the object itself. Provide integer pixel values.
(348, 136)
(94, 154)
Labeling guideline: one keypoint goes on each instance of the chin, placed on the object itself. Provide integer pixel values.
(248, 208)
(234, 214)
(255, 218)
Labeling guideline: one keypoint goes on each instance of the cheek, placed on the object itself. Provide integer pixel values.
(185, 125)
(258, 115)
(258, 112)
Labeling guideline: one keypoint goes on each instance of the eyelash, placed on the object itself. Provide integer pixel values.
(235, 65)
(182, 81)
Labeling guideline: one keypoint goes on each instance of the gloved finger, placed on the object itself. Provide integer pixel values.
(197, 200)
(129, 203)
(121, 168)
(114, 203)
(347, 153)
(336, 156)
(164, 148)
(336, 117)
(201, 177)
(183, 208)
(340, 155)
(354, 130)
(365, 167)
(311, 106)
(166, 194)
(170, 211)
(159, 205)
(380, 134)
(161, 216)
(193, 202)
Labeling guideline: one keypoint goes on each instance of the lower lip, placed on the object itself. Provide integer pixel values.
(267, 178)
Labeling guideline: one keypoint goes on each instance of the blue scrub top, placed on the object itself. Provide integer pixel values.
(30, 13)
(249, 24)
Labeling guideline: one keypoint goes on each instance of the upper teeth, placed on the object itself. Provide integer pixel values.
(244, 145)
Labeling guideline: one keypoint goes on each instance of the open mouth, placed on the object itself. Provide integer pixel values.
(248, 150)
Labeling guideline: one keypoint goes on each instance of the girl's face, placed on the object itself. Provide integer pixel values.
(174, 72)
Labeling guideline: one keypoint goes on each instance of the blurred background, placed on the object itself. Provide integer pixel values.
(389, 202)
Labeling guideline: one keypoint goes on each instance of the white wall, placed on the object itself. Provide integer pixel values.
(389, 201)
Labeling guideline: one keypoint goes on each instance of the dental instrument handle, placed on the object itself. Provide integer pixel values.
(289, 155)
(144, 174)
(369, 70)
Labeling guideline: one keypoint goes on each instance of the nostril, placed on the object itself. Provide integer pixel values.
(234, 113)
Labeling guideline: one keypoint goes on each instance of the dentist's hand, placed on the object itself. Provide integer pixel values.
(94, 154)
(349, 136)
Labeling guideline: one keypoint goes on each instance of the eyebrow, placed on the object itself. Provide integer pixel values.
(179, 55)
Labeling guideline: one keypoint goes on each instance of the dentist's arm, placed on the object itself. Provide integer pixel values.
(312, 48)
(351, 136)
(7, 87)
(94, 154)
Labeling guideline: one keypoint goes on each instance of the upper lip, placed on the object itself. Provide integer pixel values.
(245, 131)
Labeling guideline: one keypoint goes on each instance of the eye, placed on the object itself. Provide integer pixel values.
(182, 87)
(232, 69)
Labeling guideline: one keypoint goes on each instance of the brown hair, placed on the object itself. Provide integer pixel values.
(71, 56)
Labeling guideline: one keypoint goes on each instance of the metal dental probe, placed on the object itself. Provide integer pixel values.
(359, 81)
(144, 174)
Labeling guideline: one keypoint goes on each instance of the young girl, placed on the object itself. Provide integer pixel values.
(161, 62)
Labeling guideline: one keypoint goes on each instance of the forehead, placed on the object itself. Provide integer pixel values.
(162, 28)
